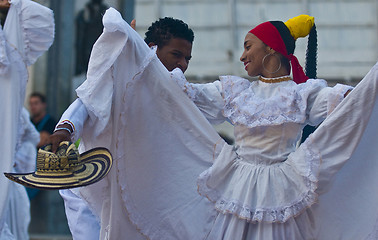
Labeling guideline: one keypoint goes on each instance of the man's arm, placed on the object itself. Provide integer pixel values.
(70, 125)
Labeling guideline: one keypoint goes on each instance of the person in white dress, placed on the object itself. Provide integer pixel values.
(173, 176)
(27, 33)
(17, 212)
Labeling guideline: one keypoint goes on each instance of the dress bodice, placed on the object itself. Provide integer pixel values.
(266, 144)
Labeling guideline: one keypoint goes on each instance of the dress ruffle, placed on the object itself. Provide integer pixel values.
(259, 192)
(243, 106)
(37, 26)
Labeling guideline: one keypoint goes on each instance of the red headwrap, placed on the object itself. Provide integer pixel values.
(269, 34)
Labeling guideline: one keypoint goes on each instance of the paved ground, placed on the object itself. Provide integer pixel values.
(50, 237)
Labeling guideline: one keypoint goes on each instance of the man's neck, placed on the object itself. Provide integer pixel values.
(38, 118)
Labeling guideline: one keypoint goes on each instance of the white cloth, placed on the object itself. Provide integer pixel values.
(161, 142)
(81, 221)
(77, 114)
(17, 212)
(268, 120)
(28, 32)
(26, 153)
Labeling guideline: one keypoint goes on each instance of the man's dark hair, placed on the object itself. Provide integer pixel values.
(38, 95)
(163, 30)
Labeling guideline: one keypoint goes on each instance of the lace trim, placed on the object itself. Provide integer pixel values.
(242, 106)
(280, 213)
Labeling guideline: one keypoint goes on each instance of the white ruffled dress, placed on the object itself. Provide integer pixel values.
(261, 178)
(28, 32)
(173, 177)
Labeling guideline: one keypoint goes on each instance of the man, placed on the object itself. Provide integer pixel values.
(173, 40)
(44, 123)
(27, 33)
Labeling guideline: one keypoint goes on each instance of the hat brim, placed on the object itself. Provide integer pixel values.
(96, 164)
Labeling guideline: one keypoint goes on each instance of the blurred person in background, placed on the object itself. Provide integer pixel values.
(44, 123)
(88, 29)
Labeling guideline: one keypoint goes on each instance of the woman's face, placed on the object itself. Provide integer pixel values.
(254, 52)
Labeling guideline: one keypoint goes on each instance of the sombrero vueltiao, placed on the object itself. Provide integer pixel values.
(66, 169)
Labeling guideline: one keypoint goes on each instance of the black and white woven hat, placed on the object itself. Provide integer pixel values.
(66, 168)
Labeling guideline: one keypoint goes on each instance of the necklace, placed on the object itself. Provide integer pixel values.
(275, 80)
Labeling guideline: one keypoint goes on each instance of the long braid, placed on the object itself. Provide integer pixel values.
(312, 53)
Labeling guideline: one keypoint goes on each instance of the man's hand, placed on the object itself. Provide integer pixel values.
(59, 136)
(4, 4)
(43, 138)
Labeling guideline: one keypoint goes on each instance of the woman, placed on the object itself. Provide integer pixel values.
(263, 187)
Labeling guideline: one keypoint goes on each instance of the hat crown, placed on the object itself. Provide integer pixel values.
(64, 159)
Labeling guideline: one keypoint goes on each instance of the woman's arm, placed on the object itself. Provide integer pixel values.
(207, 97)
(322, 102)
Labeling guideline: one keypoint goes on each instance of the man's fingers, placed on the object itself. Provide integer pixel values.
(58, 137)
(54, 146)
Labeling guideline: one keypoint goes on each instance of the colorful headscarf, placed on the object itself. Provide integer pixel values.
(281, 37)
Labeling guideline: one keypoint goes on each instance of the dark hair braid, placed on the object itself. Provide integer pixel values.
(312, 53)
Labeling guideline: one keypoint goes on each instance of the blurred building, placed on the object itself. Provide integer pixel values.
(347, 32)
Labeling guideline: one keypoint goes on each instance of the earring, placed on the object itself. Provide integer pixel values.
(263, 61)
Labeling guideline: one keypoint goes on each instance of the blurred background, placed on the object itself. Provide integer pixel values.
(347, 49)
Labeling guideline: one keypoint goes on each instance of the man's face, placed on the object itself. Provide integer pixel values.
(37, 107)
(175, 54)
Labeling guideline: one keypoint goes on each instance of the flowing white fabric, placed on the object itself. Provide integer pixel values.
(81, 221)
(161, 142)
(17, 212)
(27, 145)
(28, 32)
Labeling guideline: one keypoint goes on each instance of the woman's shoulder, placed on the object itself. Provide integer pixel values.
(233, 85)
(313, 83)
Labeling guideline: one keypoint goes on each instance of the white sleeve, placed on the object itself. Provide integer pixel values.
(77, 114)
(207, 97)
(30, 28)
(323, 102)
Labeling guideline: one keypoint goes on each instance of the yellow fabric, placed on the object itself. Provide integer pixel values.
(300, 26)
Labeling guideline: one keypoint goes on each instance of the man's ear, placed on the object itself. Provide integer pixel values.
(151, 44)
